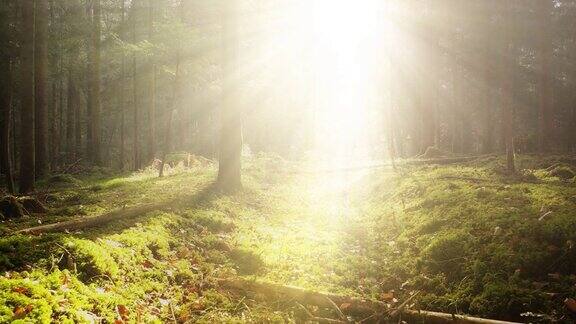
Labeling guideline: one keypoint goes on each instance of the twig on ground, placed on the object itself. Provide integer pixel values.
(337, 309)
(402, 306)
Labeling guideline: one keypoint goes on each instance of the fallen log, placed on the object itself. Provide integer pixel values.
(345, 303)
(352, 305)
(93, 221)
(416, 316)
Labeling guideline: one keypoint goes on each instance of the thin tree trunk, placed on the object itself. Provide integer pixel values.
(6, 92)
(53, 118)
(72, 108)
(41, 87)
(152, 88)
(137, 161)
(230, 158)
(486, 81)
(122, 89)
(55, 147)
(61, 133)
(27, 154)
(94, 77)
(546, 113)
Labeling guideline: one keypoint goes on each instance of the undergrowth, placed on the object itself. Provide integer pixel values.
(471, 238)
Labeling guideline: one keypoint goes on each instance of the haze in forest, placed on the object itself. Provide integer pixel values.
(299, 161)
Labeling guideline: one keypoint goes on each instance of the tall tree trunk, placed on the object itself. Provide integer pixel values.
(230, 158)
(72, 107)
(546, 112)
(152, 88)
(41, 88)
(61, 128)
(487, 80)
(27, 154)
(94, 77)
(6, 92)
(136, 143)
(122, 89)
(53, 107)
(508, 65)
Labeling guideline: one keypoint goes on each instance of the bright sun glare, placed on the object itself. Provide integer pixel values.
(347, 40)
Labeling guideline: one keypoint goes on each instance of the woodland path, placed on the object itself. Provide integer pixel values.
(304, 238)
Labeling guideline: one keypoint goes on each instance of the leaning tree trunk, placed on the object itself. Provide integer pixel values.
(41, 87)
(27, 154)
(230, 165)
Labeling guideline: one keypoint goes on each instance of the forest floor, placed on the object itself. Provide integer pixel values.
(470, 238)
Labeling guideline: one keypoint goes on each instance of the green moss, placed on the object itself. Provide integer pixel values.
(562, 172)
(468, 236)
(500, 298)
(448, 253)
(89, 259)
(247, 261)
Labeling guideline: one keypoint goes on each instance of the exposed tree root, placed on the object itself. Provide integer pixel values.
(375, 310)
(17, 207)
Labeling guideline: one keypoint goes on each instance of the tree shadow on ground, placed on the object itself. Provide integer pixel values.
(24, 252)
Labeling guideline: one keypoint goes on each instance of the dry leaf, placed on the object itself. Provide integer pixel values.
(345, 306)
(570, 304)
(20, 290)
(147, 264)
(21, 312)
(123, 312)
(387, 296)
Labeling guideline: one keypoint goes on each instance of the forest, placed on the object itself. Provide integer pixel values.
(287, 161)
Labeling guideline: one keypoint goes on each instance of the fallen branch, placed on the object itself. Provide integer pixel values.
(321, 320)
(443, 318)
(404, 305)
(352, 305)
(304, 296)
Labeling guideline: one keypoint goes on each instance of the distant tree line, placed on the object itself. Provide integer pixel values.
(118, 83)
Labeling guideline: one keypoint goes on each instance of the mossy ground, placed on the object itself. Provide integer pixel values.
(472, 239)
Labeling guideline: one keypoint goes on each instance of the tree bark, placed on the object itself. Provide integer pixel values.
(230, 158)
(94, 77)
(122, 89)
(6, 92)
(27, 151)
(41, 88)
(72, 108)
(546, 109)
(508, 66)
(136, 139)
(152, 88)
